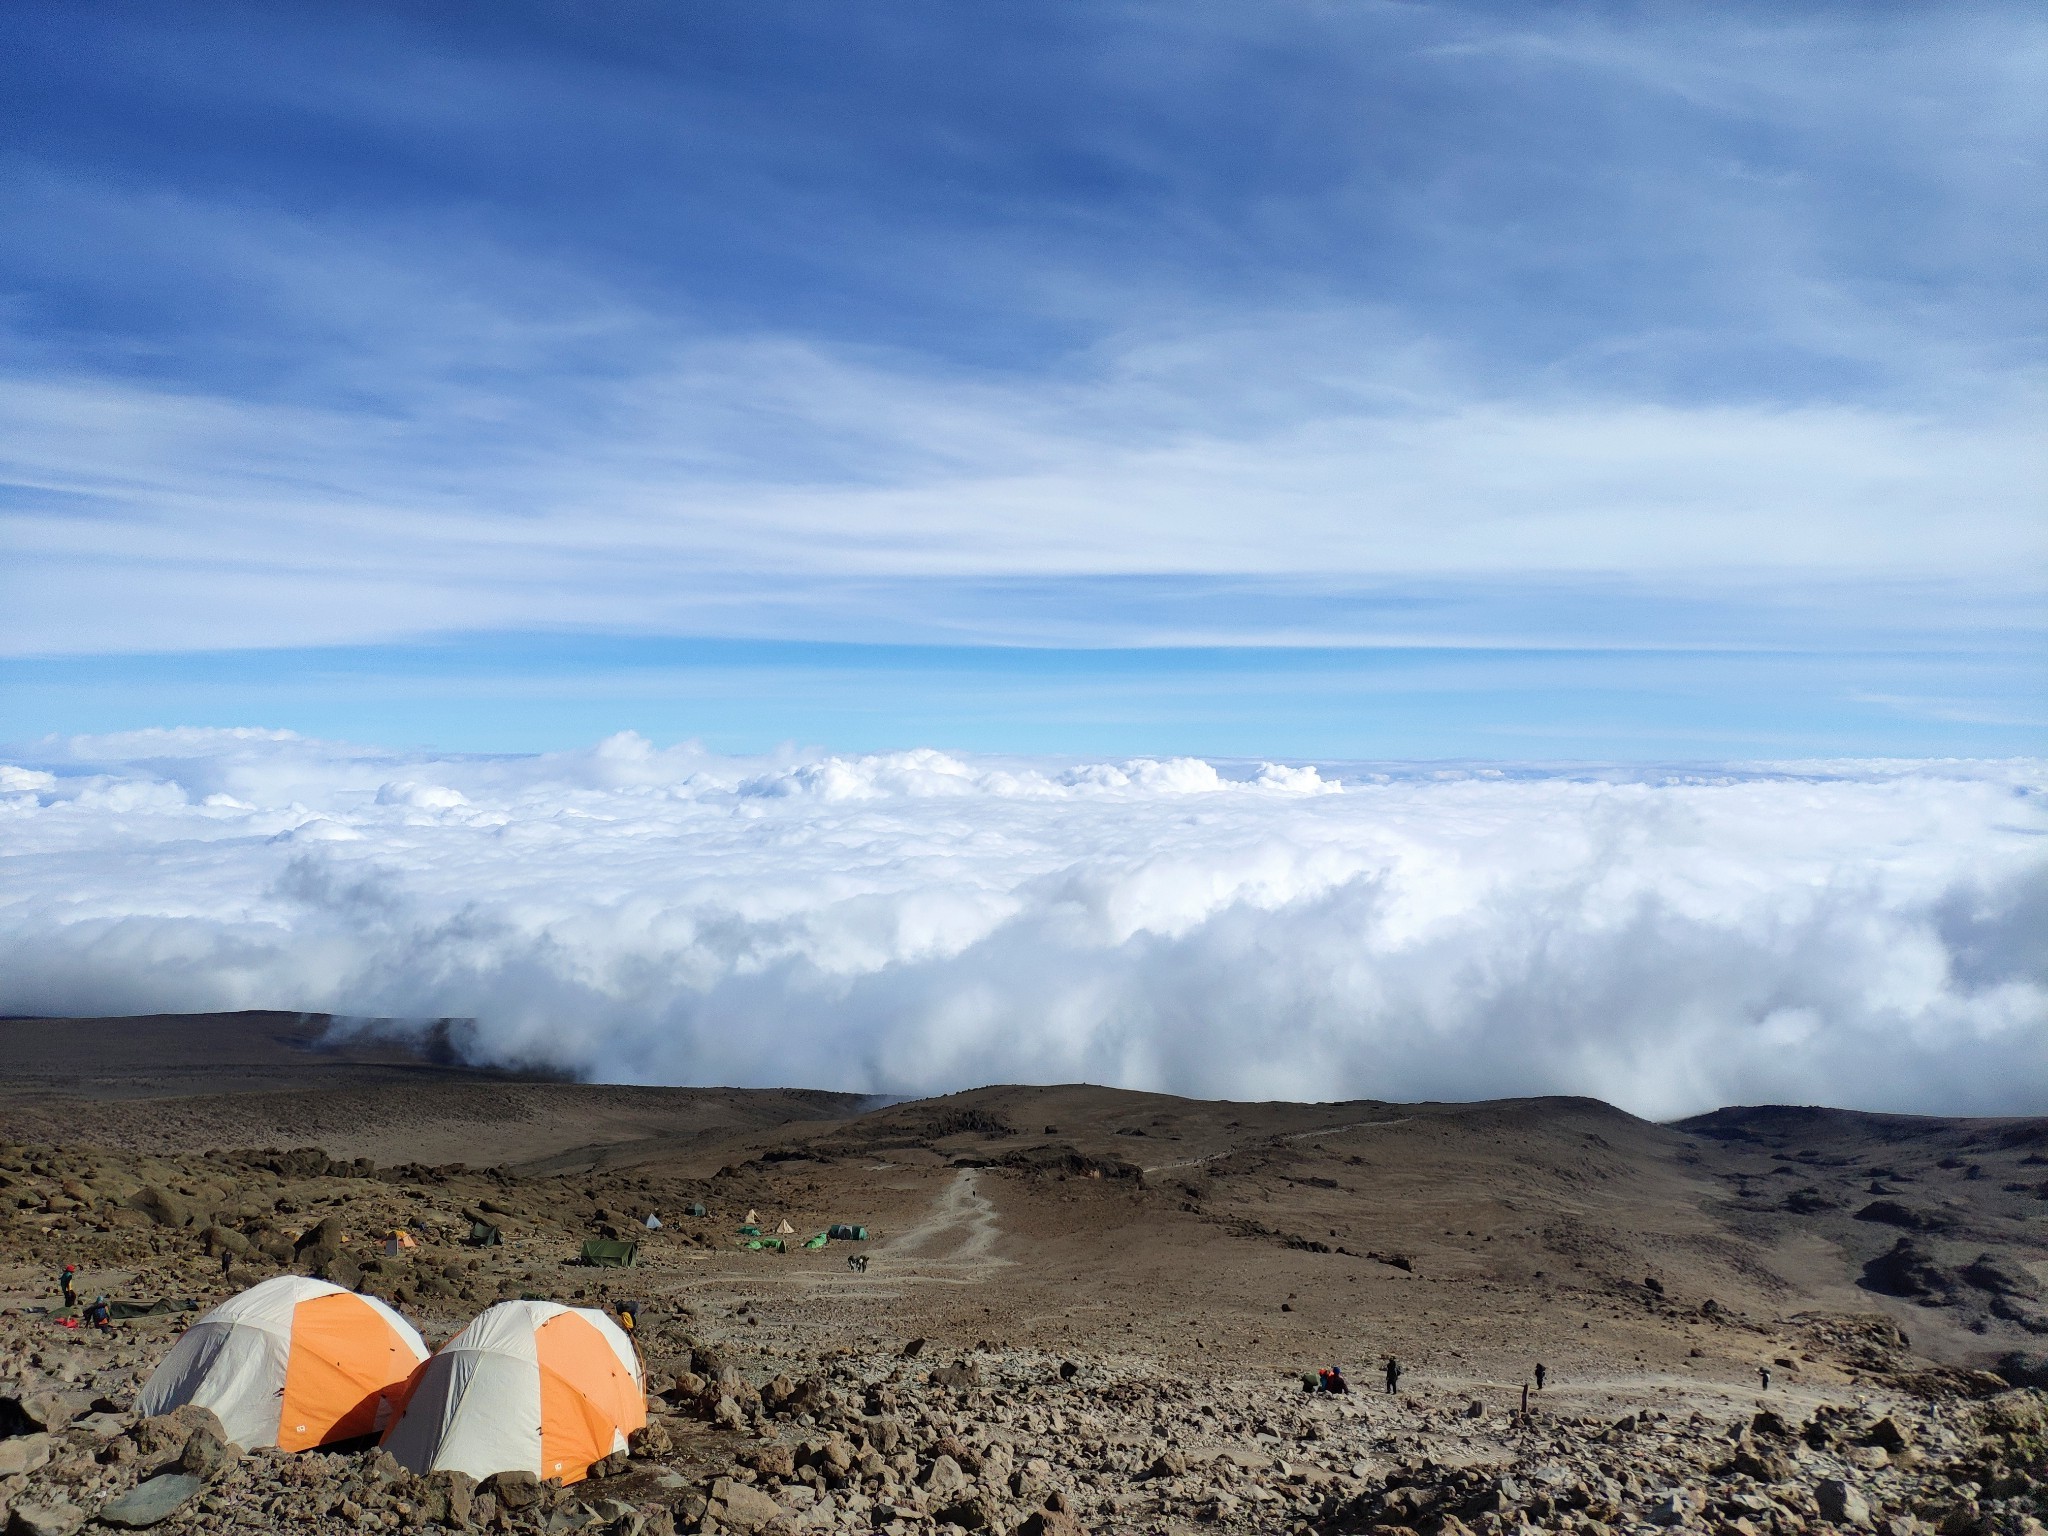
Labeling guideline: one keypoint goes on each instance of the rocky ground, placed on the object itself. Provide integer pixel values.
(1088, 1311)
(1004, 1440)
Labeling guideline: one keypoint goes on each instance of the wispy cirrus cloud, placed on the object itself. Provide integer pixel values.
(512, 327)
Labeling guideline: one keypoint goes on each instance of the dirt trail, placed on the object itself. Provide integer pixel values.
(952, 1245)
(957, 1239)
(1325, 1130)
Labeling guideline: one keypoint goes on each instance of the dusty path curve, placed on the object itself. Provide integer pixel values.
(953, 1245)
(957, 1239)
(1324, 1130)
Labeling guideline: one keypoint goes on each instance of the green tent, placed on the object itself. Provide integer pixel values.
(846, 1233)
(148, 1308)
(819, 1241)
(483, 1235)
(750, 1230)
(765, 1244)
(609, 1253)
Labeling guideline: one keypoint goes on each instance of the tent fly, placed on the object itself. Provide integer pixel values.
(609, 1253)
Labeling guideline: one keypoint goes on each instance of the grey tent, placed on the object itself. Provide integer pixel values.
(846, 1233)
(609, 1253)
(653, 1222)
(696, 1210)
(483, 1235)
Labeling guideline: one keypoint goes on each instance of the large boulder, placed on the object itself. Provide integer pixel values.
(770, 1458)
(449, 1498)
(151, 1502)
(337, 1269)
(2019, 1368)
(1892, 1213)
(944, 1481)
(49, 1411)
(976, 1512)
(1840, 1503)
(59, 1518)
(514, 1490)
(2001, 1276)
(1909, 1271)
(162, 1206)
(1810, 1202)
(217, 1240)
(1888, 1433)
(740, 1508)
(322, 1251)
(1676, 1506)
(329, 1233)
(23, 1453)
(207, 1454)
(164, 1438)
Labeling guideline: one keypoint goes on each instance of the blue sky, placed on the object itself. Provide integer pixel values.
(1330, 381)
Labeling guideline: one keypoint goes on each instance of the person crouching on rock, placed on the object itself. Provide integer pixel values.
(1333, 1380)
(99, 1315)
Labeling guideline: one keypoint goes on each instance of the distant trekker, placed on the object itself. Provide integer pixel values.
(1393, 1375)
(99, 1314)
(1540, 1374)
(226, 1262)
(68, 1284)
(1763, 1374)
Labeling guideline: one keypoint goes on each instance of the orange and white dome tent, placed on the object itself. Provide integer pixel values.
(292, 1362)
(528, 1386)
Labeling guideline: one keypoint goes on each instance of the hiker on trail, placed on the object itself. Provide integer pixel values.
(1332, 1379)
(1393, 1375)
(98, 1315)
(1540, 1374)
(226, 1259)
(68, 1285)
(1763, 1373)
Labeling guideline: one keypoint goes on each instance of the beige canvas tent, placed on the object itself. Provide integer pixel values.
(293, 1362)
(528, 1386)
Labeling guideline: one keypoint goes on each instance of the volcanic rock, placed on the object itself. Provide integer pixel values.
(148, 1502)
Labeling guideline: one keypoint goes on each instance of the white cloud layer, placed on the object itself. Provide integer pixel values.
(1867, 935)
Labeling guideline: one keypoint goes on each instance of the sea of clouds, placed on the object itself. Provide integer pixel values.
(1871, 934)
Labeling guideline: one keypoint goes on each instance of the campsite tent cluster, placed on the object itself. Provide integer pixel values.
(619, 1252)
(296, 1363)
(755, 1240)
